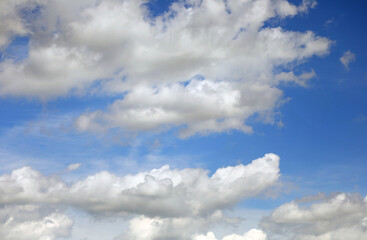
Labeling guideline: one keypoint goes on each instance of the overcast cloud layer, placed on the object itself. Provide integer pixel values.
(204, 65)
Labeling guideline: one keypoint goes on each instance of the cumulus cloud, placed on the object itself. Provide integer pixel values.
(160, 192)
(337, 217)
(172, 203)
(204, 105)
(347, 58)
(33, 222)
(169, 68)
(141, 228)
(253, 234)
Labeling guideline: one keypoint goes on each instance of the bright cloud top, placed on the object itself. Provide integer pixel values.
(172, 69)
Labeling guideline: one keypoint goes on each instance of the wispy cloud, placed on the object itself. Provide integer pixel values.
(347, 58)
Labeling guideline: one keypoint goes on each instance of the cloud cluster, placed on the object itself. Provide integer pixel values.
(337, 217)
(171, 69)
(172, 204)
(161, 192)
(253, 234)
(33, 222)
(142, 228)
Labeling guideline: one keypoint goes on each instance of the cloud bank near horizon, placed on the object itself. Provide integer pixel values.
(160, 192)
(168, 200)
(172, 204)
(338, 216)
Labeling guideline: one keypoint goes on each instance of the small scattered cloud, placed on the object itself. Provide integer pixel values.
(329, 22)
(74, 166)
(347, 58)
(280, 124)
(306, 5)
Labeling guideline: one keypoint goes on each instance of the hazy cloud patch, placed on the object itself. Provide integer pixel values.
(347, 58)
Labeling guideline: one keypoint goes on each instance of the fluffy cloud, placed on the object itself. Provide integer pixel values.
(142, 228)
(233, 56)
(342, 216)
(347, 58)
(253, 234)
(172, 204)
(32, 222)
(161, 192)
(170, 68)
(205, 106)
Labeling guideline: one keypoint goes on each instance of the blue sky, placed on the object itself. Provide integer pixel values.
(76, 99)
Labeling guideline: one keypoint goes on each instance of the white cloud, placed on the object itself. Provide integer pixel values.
(306, 5)
(301, 79)
(12, 19)
(205, 106)
(172, 203)
(342, 216)
(160, 192)
(74, 166)
(142, 228)
(74, 45)
(347, 58)
(253, 234)
(32, 222)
